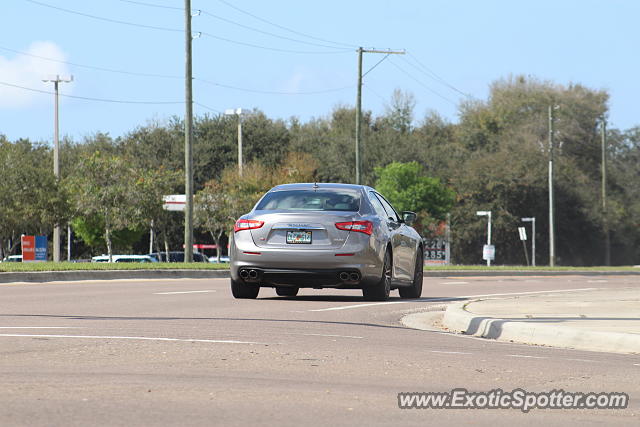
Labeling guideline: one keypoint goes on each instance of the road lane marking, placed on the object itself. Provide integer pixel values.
(41, 327)
(597, 281)
(98, 337)
(184, 292)
(454, 283)
(347, 307)
(526, 357)
(323, 335)
(449, 352)
(529, 293)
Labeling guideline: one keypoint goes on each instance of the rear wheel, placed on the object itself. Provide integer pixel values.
(244, 291)
(286, 291)
(380, 291)
(415, 290)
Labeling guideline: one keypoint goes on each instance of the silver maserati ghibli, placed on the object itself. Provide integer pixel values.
(326, 236)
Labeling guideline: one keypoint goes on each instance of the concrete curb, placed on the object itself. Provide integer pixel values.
(70, 276)
(457, 318)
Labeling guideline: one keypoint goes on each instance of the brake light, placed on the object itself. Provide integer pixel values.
(247, 224)
(365, 227)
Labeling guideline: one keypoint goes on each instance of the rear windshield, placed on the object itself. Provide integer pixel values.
(307, 200)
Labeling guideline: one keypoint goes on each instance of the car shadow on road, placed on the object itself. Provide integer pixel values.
(358, 299)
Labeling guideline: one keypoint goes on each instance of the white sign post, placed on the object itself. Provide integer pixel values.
(523, 238)
(532, 220)
(492, 251)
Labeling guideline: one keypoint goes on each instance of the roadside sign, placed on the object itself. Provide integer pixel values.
(523, 233)
(489, 252)
(174, 202)
(34, 248)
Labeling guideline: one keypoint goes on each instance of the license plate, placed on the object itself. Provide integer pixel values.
(299, 237)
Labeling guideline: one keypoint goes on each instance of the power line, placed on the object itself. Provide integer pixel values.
(93, 67)
(169, 76)
(285, 28)
(246, 27)
(153, 27)
(86, 98)
(207, 108)
(100, 18)
(430, 73)
(274, 49)
(159, 6)
(422, 84)
(271, 92)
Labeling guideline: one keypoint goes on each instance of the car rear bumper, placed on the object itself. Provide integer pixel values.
(342, 278)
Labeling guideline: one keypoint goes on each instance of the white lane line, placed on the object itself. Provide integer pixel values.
(581, 360)
(454, 283)
(636, 364)
(597, 281)
(97, 337)
(526, 357)
(347, 307)
(529, 293)
(41, 327)
(449, 352)
(323, 335)
(184, 292)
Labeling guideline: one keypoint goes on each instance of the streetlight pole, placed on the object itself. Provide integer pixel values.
(605, 218)
(552, 242)
(56, 153)
(532, 220)
(240, 113)
(488, 214)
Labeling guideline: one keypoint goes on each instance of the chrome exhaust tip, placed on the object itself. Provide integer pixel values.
(344, 276)
(244, 274)
(354, 277)
(253, 274)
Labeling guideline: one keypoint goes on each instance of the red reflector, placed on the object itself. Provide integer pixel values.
(252, 253)
(345, 254)
(247, 224)
(365, 227)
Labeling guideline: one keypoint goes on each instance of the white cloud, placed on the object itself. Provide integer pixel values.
(28, 71)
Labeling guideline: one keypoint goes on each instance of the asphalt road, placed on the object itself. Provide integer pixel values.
(184, 352)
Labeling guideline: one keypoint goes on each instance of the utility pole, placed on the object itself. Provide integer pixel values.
(552, 242)
(188, 136)
(359, 103)
(56, 154)
(605, 217)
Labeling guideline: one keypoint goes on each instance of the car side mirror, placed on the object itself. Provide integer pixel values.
(409, 217)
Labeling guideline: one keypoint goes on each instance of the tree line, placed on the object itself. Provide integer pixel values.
(494, 158)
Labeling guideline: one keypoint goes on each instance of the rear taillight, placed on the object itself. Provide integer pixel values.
(247, 224)
(365, 227)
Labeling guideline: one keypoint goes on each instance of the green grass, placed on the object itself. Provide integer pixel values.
(524, 268)
(71, 266)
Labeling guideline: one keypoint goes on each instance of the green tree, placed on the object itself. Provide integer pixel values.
(108, 189)
(405, 186)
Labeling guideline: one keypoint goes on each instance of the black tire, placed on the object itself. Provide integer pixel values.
(380, 291)
(244, 291)
(286, 291)
(415, 290)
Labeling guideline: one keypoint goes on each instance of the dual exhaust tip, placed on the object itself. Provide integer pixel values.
(249, 274)
(345, 276)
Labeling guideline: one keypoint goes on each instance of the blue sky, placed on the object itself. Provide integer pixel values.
(452, 46)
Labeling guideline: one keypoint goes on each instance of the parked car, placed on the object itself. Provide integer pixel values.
(223, 259)
(326, 236)
(13, 258)
(123, 258)
(177, 256)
